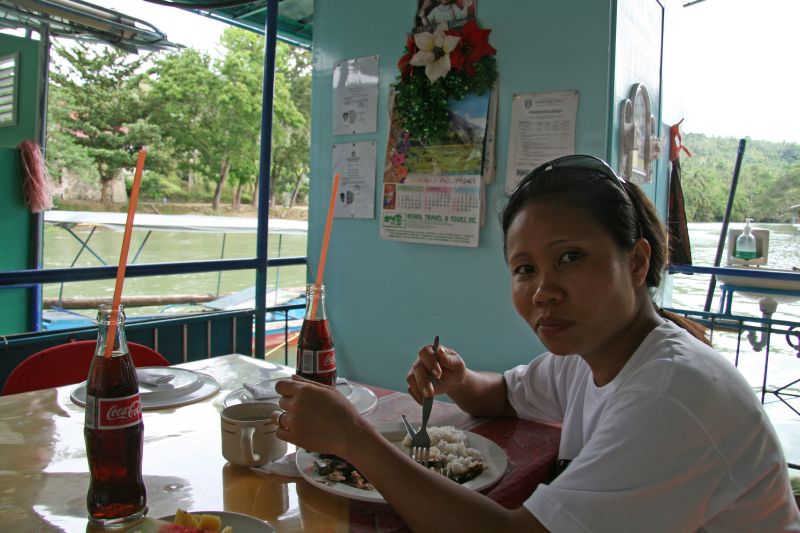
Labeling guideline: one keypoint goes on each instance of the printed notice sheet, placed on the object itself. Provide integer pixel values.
(433, 193)
(355, 96)
(542, 128)
(355, 163)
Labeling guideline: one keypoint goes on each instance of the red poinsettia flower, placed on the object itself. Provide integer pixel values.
(403, 63)
(473, 46)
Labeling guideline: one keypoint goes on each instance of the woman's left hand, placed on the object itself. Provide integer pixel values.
(317, 417)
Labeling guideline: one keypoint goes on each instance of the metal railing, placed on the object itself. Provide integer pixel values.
(738, 336)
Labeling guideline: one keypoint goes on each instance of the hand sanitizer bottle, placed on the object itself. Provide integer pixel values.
(746, 243)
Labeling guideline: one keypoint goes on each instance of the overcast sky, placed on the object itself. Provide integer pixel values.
(737, 61)
(740, 74)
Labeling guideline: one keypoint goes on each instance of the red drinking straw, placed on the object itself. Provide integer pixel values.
(325, 241)
(123, 254)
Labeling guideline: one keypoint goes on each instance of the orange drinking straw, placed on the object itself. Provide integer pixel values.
(123, 254)
(325, 240)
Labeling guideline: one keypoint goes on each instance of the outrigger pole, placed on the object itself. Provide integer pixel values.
(725, 220)
(271, 32)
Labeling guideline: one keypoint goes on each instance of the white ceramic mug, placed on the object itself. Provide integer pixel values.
(248, 434)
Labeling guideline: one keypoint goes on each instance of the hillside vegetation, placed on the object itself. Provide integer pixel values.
(769, 179)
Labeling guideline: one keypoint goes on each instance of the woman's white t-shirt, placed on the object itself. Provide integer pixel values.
(676, 442)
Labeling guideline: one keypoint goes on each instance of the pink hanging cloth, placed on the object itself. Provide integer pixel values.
(36, 182)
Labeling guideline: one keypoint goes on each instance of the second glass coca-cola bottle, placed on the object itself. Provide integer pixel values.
(316, 357)
(114, 430)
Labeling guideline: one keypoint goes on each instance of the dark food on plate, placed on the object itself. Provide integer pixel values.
(450, 455)
(338, 470)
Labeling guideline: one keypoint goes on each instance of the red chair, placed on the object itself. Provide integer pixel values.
(66, 364)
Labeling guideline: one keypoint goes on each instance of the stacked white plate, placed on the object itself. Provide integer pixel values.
(186, 386)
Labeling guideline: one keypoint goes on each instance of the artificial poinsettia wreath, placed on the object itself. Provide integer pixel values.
(447, 63)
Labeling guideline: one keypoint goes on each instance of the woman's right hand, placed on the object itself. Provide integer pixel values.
(446, 366)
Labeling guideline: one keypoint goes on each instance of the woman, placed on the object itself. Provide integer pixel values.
(659, 432)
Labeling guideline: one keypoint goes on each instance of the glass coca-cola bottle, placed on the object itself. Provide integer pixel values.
(113, 430)
(316, 357)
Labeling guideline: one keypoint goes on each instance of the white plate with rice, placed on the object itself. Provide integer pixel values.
(493, 457)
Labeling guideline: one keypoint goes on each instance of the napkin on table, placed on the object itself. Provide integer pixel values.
(285, 466)
(153, 378)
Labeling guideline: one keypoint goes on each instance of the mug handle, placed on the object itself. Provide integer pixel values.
(246, 444)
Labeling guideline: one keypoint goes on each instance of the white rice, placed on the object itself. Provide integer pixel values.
(450, 445)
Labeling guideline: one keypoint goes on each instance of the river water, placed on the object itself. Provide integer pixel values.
(690, 291)
(63, 250)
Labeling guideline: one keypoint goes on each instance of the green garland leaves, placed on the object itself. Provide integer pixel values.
(421, 106)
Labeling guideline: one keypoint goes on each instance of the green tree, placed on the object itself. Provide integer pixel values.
(292, 122)
(62, 151)
(102, 87)
(239, 105)
(183, 103)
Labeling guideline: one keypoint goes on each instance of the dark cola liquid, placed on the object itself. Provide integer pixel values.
(116, 491)
(316, 357)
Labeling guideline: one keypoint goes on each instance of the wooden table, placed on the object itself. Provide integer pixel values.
(44, 473)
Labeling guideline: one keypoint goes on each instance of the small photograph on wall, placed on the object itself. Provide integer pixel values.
(431, 13)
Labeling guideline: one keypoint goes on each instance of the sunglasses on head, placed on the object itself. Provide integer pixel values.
(579, 161)
(582, 162)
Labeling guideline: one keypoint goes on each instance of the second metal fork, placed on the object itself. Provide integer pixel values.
(421, 443)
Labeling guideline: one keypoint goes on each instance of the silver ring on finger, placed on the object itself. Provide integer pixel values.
(279, 420)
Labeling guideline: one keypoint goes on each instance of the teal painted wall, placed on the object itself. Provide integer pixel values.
(385, 298)
(15, 218)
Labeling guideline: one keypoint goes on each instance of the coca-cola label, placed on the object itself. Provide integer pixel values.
(317, 361)
(113, 413)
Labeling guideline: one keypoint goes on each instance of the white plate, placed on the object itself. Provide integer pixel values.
(361, 397)
(493, 456)
(208, 386)
(241, 523)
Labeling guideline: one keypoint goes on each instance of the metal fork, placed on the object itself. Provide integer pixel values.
(421, 443)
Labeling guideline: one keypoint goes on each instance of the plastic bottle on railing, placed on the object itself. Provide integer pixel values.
(114, 430)
(746, 243)
(316, 357)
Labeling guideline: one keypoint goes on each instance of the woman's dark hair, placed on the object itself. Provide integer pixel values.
(620, 207)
